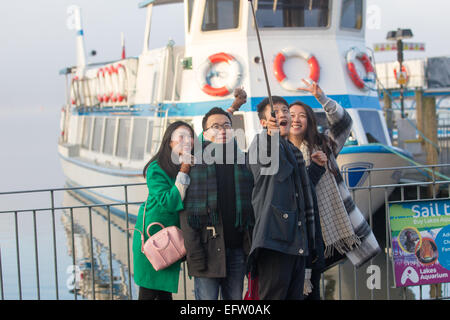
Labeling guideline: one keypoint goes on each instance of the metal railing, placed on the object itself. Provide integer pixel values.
(98, 258)
(432, 187)
(68, 210)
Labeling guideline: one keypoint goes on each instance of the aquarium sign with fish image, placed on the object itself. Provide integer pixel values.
(420, 239)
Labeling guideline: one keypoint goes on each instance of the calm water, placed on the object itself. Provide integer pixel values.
(29, 160)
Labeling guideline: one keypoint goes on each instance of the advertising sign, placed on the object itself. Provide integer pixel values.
(420, 238)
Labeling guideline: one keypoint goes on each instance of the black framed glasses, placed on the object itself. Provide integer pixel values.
(217, 127)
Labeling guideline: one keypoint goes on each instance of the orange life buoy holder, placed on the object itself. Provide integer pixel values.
(121, 74)
(404, 70)
(62, 121)
(101, 97)
(234, 77)
(283, 55)
(352, 55)
(75, 90)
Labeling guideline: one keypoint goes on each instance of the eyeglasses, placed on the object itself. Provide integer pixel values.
(217, 127)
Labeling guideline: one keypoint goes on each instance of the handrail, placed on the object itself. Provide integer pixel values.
(74, 188)
(76, 207)
(418, 166)
(84, 252)
(411, 161)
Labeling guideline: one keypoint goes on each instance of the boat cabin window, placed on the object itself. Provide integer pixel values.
(220, 15)
(138, 139)
(123, 138)
(148, 148)
(352, 14)
(86, 140)
(98, 134)
(293, 13)
(322, 126)
(371, 123)
(110, 132)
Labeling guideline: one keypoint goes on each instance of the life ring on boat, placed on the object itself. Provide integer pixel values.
(100, 85)
(119, 75)
(352, 55)
(108, 93)
(283, 55)
(233, 79)
(74, 90)
(114, 83)
(404, 70)
(62, 121)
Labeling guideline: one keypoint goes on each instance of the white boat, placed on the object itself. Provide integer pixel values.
(116, 112)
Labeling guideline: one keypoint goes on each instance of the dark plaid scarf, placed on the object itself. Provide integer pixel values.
(201, 197)
(308, 199)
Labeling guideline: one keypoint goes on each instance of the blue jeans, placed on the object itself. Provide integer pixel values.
(230, 287)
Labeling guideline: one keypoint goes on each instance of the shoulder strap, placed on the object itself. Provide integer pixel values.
(143, 228)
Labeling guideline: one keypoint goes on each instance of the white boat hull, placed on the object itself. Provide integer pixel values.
(359, 174)
(83, 174)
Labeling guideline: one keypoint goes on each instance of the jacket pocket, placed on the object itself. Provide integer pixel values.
(283, 223)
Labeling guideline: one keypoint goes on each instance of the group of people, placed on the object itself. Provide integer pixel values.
(283, 228)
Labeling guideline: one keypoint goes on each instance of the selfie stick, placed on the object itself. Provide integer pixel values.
(262, 59)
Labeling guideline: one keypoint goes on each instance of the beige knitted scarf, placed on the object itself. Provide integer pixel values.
(337, 230)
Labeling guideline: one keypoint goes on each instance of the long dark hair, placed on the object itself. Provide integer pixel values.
(315, 139)
(163, 156)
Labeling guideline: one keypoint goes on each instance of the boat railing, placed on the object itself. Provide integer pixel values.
(95, 262)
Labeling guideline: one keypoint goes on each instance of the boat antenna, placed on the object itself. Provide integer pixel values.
(262, 59)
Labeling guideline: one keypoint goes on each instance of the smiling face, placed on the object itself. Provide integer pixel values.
(181, 140)
(299, 121)
(281, 114)
(218, 129)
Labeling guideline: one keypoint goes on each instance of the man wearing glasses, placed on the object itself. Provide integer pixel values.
(218, 215)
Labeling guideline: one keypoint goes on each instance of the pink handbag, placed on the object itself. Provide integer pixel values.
(164, 247)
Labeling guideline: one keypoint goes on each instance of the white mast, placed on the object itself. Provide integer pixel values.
(148, 21)
(74, 22)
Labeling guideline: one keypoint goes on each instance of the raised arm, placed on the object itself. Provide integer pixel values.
(339, 121)
(240, 97)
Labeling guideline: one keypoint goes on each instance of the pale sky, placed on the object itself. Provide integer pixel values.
(36, 44)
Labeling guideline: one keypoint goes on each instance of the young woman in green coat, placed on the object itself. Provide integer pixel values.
(167, 183)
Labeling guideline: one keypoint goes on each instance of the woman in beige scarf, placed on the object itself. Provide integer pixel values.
(339, 217)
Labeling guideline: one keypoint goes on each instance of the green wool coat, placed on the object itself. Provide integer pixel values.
(163, 204)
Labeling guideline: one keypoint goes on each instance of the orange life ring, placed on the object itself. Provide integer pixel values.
(353, 55)
(100, 85)
(404, 70)
(62, 121)
(233, 79)
(74, 90)
(108, 94)
(281, 57)
(119, 83)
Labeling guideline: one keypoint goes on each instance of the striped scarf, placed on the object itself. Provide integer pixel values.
(337, 230)
(201, 197)
(308, 199)
(340, 124)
